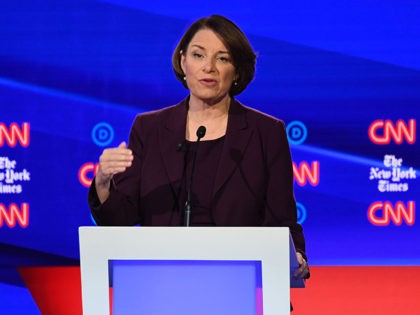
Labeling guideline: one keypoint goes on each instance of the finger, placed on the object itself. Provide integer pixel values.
(298, 272)
(112, 159)
(300, 258)
(115, 170)
(120, 149)
(302, 271)
(112, 167)
(115, 164)
(116, 154)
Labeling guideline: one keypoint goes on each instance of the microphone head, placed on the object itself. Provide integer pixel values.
(201, 132)
(181, 147)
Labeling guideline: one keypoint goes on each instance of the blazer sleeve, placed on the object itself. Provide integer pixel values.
(280, 207)
(122, 206)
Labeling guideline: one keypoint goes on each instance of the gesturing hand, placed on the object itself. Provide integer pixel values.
(112, 161)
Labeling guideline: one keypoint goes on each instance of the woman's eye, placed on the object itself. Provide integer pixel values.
(197, 55)
(224, 59)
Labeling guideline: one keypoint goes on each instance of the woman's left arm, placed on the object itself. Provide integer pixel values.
(280, 200)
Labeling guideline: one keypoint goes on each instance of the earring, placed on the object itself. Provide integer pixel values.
(235, 83)
(185, 78)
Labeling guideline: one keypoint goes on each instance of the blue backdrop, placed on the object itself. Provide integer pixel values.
(344, 76)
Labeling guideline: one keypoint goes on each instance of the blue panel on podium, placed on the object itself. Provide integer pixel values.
(159, 287)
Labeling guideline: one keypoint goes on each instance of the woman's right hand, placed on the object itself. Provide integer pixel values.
(112, 161)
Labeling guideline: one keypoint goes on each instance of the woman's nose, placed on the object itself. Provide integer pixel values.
(209, 65)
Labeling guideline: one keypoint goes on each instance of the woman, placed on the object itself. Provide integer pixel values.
(243, 170)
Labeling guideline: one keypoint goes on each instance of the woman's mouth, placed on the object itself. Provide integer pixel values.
(208, 82)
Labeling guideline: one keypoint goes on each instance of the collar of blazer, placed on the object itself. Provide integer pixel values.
(172, 133)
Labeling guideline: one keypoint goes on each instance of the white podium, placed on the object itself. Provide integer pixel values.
(187, 270)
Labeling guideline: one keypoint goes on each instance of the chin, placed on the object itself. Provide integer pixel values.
(211, 99)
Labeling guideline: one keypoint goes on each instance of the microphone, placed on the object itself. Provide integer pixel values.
(201, 132)
(181, 147)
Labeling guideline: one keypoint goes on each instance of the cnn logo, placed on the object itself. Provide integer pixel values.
(12, 215)
(14, 134)
(384, 131)
(86, 173)
(305, 173)
(383, 213)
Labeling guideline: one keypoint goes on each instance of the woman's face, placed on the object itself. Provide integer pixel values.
(208, 67)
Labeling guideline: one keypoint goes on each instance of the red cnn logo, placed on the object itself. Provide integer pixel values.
(383, 131)
(382, 213)
(13, 214)
(86, 173)
(304, 173)
(15, 134)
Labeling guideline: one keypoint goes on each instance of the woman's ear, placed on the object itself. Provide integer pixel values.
(182, 60)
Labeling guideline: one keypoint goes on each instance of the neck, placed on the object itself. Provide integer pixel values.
(214, 117)
(202, 112)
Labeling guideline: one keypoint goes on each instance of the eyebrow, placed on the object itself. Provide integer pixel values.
(201, 47)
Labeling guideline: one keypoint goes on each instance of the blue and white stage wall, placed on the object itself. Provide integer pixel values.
(344, 76)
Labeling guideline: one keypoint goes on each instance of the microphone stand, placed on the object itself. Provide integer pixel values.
(201, 131)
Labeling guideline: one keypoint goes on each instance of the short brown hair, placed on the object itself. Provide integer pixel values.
(243, 56)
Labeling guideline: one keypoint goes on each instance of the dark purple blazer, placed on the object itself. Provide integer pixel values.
(253, 183)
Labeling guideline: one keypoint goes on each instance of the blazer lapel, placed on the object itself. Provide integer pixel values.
(237, 137)
(171, 135)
